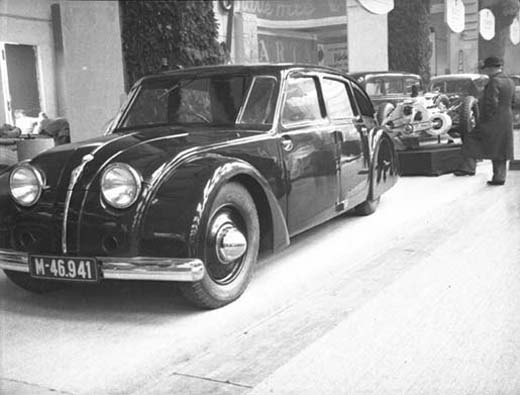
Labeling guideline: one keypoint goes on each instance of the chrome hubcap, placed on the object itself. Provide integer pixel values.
(231, 244)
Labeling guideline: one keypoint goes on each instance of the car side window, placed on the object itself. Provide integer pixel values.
(393, 86)
(375, 87)
(301, 101)
(259, 108)
(336, 99)
(409, 83)
(363, 102)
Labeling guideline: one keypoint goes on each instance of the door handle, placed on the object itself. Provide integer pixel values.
(287, 143)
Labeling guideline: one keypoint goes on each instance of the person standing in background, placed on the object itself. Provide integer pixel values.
(492, 137)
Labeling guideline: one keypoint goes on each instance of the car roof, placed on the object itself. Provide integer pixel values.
(471, 76)
(387, 73)
(247, 68)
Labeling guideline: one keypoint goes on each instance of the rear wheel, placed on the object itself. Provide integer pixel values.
(469, 115)
(381, 171)
(229, 249)
(25, 281)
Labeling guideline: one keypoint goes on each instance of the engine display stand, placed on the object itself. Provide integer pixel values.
(432, 160)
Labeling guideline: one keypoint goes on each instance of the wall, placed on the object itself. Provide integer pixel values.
(455, 52)
(367, 36)
(364, 30)
(512, 58)
(29, 22)
(92, 65)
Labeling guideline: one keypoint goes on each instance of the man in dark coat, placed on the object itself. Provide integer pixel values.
(493, 136)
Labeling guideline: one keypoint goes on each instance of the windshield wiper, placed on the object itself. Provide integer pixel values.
(177, 86)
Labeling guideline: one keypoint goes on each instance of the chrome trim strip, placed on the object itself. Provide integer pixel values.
(158, 269)
(14, 260)
(74, 177)
(125, 268)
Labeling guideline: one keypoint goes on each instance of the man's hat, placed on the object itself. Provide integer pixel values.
(492, 61)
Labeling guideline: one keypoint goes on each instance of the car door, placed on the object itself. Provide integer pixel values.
(348, 138)
(309, 154)
(364, 119)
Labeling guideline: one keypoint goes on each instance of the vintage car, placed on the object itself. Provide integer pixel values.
(202, 169)
(387, 89)
(459, 96)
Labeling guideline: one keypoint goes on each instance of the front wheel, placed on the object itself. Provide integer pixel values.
(25, 281)
(229, 249)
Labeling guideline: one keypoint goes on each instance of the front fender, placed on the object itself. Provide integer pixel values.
(178, 206)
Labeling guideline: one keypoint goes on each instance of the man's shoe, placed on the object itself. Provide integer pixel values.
(460, 173)
(494, 182)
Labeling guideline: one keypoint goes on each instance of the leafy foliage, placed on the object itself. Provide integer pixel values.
(158, 35)
(409, 46)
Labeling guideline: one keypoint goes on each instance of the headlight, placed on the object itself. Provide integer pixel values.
(120, 185)
(26, 185)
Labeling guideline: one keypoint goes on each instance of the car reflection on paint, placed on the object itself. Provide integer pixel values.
(201, 170)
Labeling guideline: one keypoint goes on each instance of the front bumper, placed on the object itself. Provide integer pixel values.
(133, 268)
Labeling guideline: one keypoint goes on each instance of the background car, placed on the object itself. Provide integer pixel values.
(414, 118)
(201, 170)
(461, 93)
(388, 88)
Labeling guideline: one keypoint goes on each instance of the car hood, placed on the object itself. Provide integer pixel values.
(146, 150)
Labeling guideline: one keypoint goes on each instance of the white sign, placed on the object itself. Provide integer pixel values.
(455, 15)
(514, 31)
(378, 6)
(487, 24)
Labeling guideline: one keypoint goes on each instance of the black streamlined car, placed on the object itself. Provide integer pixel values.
(200, 170)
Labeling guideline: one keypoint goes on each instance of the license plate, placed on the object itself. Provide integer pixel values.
(63, 268)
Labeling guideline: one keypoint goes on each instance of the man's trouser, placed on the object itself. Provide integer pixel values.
(499, 170)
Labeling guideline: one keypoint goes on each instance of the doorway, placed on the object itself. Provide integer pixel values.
(21, 92)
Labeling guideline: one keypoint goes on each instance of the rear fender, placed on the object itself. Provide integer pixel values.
(384, 164)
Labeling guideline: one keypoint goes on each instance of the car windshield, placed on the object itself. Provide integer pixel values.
(463, 86)
(215, 100)
(380, 86)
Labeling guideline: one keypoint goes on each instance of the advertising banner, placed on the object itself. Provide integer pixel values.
(304, 31)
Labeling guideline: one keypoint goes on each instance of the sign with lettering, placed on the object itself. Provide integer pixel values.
(455, 15)
(487, 24)
(290, 10)
(514, 31)
(378, 6)
(334, 55)
(280, 49)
